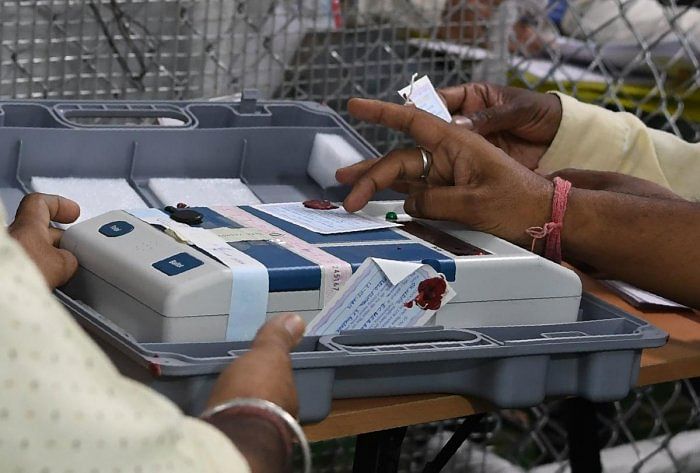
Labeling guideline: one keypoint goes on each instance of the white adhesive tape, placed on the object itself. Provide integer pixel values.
(250, 286)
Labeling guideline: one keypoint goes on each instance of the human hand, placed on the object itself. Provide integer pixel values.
(471, 181)
(32, 229)
(615, 182)
(520, 122)
(264, 372)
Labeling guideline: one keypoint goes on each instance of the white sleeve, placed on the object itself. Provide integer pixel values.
(591, 137)
(64, 406)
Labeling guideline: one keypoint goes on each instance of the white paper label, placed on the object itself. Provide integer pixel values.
(381, 294)
(424, 96)
(324, 222)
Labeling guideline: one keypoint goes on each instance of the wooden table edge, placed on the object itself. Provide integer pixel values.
(679, 359)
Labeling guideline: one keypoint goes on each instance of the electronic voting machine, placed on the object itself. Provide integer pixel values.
(215, 273)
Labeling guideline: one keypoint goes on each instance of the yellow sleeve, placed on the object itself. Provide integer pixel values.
(591, 137)
(64, 406)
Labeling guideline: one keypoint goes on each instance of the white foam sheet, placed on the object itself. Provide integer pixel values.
(330, 152)
(95, 196)
(202, 192)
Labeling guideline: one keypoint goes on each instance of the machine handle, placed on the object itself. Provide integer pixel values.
(382, 340)
(126, 115)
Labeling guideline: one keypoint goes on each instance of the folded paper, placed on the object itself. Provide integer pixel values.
(384, 294)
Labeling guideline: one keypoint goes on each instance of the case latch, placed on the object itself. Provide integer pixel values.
(249, 101)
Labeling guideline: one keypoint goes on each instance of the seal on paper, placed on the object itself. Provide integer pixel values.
(319, 204)
(430, 292)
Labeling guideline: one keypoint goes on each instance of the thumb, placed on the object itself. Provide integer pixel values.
(282, 332)
(66, 264)
(490, 120)
(438, 203)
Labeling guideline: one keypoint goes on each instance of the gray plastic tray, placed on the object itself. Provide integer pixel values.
(267, 145)
(596, 357)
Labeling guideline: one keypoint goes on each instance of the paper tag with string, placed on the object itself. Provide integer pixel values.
(422, 94)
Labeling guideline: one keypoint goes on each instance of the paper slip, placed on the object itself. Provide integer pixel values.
(325, 222)
(424, 96)
(383, 294)
(640, 298)
(232, 235)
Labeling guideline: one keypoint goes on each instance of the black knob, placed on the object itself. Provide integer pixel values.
(187, 216)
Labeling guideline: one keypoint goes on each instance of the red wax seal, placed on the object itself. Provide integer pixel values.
(430, 292)
(181, 205)
(320, 205)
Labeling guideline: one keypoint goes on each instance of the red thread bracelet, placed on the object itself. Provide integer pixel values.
(552, 230)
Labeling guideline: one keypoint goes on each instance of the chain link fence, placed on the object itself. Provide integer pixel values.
(635, 55)
(321, 50)
(655, 429)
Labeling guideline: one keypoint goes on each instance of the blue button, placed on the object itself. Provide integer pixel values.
(177, 264)
(116, 229)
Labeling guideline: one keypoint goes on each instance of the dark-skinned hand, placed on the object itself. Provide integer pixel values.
(520, 122)
(264, 372)
(32, 229)
(471, 181)
(615, 182)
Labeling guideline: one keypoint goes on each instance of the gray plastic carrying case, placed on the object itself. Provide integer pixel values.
(267, 145)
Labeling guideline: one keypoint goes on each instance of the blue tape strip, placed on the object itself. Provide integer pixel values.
(413, 252)
(213, 219)
(287, 270)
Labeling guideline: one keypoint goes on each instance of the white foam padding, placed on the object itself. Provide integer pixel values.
(329, 153)
(202, 192)
(95, 196)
